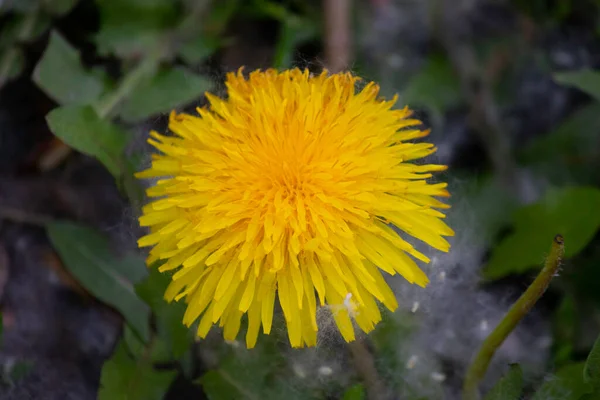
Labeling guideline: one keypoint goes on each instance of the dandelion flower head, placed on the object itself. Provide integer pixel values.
(292, 190)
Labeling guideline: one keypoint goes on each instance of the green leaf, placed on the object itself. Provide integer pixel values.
(131, 28)
(436, 87)
(19, 6)
(88, 256)
(586, 80)
(125, 378)
(23, 28)
(293, 32)
(356, 392)
(567, 155)
(197, 50)
(160, 351)
(509, 387)
(169, 317)
(13, 63)
(81, 128)
(169, 89)
(574, 137)
(58, 7)
(591, 371)
(571, 212)
(219, 385)
(62, 77)
(566, 384)
(565, 323)
(246, 374)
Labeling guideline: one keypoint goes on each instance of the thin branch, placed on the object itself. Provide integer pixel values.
(337, 34)
(364, 364)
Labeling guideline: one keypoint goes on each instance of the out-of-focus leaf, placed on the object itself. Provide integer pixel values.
(219, 385)
(571, 212)
(125, 378)
(130, 185)
(61, 76)
(58, 7)
(564, 324)
(220, 14)
(23, 28)
(566, 384)
(435, 88)
(169, 89)
(81, 128)
(246, 372)
(591, 371)
(487, 202)
(293, 32)
(160, 351)
(197, 50)
(575, 135)
(126, 41)
(132, 28)
(13, 63)
(509, 387)
(569, 153)
(169, 317)
(586, 80)
(356, 392)
(87, 255)
(18, 6)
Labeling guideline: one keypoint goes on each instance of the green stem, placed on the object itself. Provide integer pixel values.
(130, 82)
(480, 363)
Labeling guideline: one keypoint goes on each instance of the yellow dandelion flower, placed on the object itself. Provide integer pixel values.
(287, 188)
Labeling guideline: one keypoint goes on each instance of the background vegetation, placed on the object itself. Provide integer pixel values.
(510, 89)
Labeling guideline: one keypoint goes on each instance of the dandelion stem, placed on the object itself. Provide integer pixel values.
(337, 34)
(365, 366)
(480, 363)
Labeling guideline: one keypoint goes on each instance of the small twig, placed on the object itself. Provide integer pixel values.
(515, 314)
(365, 367)
(24, 217)
(337, 34)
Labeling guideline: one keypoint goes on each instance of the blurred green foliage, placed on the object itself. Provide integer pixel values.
(60, 74)
(128, 378)
(572, 212)
(435, 88)
(81, 128)
(87, 255)
(156, 49)
(509, 387)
